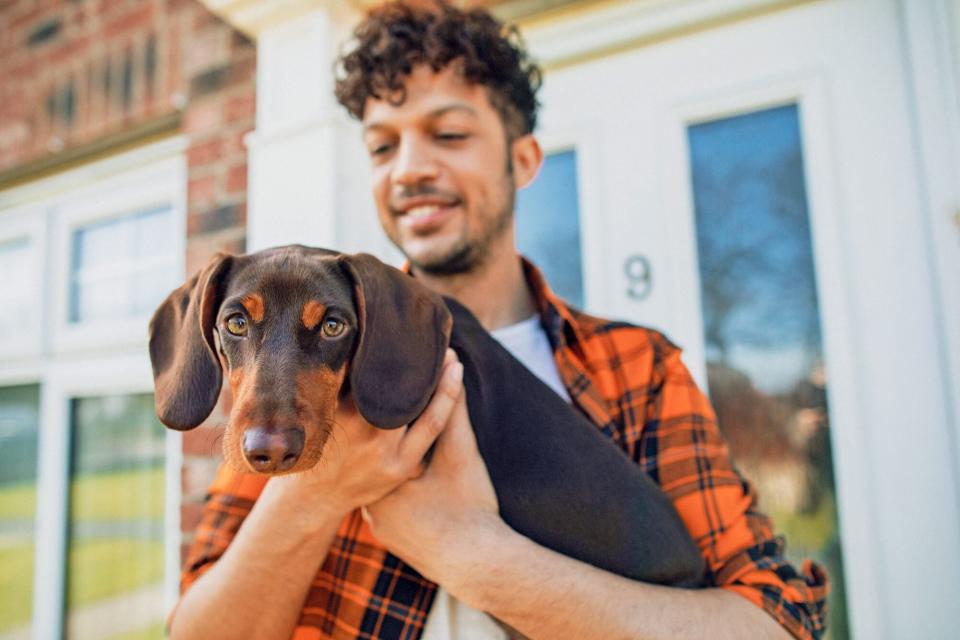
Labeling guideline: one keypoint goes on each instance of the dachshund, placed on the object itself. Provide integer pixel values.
(296, 329)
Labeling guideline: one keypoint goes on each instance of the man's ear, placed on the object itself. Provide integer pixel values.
(186, 369)
(527, 159)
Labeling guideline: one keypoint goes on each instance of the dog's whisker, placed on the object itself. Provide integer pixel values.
(335, 427)
(332, 435)
(216, 444)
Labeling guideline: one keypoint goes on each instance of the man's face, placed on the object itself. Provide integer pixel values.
(442, 176)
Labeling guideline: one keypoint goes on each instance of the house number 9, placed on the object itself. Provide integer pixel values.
(639, 277)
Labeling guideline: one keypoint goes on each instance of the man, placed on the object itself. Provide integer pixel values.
(448, 106)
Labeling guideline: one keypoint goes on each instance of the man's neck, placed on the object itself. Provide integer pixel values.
(495, 292)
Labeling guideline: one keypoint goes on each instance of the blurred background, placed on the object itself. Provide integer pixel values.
(773, 184)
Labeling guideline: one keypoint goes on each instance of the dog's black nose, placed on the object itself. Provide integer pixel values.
(270, 450)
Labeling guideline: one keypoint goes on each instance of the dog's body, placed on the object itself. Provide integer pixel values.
(559, 480)
(298, 328)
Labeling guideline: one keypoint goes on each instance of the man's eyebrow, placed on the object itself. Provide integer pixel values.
(465, 108)
(430, 115)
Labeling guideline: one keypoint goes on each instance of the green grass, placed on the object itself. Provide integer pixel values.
(118, 495)
(16, 585)
(98, 568)
(18, 501)
(808, 532)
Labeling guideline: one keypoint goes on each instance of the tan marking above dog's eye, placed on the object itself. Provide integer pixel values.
(253, 303)
(333, 327)
(312, 313)
(237, 325)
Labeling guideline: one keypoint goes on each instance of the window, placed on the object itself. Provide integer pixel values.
(19, 422)
(85, 257)
(22, 245)
(765, 362)
(115, 559)
(122, 267)
(548, 225)
(15, 263)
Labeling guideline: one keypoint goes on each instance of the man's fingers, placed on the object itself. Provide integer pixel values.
(458, 439)
(449, 356)
(432, 421)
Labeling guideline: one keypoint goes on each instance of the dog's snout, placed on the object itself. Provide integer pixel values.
(271, 450)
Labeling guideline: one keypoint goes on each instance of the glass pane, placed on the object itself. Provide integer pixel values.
(103, 299)
(548, 225)
(108, 258)
(19, 422)
(114, 575)
(762, 326)
(103, 243)
(17, 288)
(150, 288)
(155, 234)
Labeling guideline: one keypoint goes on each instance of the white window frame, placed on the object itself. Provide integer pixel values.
(96, 360)
(110, 199)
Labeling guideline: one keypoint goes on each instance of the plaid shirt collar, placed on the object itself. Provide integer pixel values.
(555, 316)
(572, 351)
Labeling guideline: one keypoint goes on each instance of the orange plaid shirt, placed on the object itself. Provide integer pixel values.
(630, 382)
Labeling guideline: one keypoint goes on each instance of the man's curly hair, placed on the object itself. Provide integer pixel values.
(397, 36)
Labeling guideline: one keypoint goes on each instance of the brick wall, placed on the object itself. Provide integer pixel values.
(78, 72)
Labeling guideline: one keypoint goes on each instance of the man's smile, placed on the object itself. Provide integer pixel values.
(424, 213)
(425, 219)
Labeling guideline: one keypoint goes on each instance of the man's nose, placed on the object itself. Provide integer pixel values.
(414, 163)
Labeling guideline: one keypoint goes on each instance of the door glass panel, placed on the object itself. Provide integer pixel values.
(19, 422)
(765, 361)
(114, 569)
(548, 225)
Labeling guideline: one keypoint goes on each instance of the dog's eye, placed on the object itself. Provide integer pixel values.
(333, 327)
(237, 325)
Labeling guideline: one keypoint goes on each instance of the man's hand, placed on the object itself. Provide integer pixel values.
(360, 463)
(434, 521)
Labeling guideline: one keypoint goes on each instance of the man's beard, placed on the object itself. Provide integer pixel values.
(467, 255)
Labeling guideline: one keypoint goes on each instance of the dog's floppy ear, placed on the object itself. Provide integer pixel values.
(404, 332)
(186, 369)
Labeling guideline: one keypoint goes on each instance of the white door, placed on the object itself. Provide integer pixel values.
(750, 189)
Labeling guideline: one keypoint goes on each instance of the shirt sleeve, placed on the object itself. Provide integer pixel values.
(682, 448)
(229, 501)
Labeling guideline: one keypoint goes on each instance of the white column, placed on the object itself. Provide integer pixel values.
(294, 187)
(932, 72)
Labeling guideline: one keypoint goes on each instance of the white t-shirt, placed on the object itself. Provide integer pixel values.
(450, 619)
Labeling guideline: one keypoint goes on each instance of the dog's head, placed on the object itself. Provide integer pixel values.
(295, 329)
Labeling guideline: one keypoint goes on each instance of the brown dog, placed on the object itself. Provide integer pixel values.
(297, 328)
